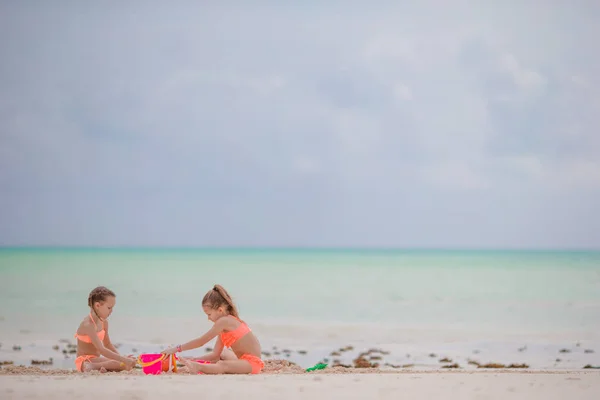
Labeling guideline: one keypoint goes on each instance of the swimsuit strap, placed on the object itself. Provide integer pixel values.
(96, 326)
(94, 322)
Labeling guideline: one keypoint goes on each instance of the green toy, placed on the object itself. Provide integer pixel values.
(316, 367)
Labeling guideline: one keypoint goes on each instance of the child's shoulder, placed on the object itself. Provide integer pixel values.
(85, 323)
(230, 322)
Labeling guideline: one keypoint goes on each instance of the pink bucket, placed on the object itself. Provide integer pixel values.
(153, 369)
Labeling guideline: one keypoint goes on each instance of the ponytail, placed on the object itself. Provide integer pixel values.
(217, 297)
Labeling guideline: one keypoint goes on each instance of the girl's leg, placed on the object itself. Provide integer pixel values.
(102, 364)
(221, 367)
(228, 354)
(179, 358)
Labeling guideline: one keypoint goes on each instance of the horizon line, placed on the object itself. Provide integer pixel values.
(288, 248)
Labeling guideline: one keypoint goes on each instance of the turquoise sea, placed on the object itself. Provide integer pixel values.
(411, 302)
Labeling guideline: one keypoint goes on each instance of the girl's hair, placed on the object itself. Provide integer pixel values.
(217, 297)
(99, 294)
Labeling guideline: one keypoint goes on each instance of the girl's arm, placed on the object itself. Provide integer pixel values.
(214, 355)
(202, 340)
(90, 330)
(107, 343)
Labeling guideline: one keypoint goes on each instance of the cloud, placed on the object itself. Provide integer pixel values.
(402, 92)
(455, 175)
(523, 77)
(312, 124)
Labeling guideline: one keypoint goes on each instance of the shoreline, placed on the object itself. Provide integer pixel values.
(60, 354)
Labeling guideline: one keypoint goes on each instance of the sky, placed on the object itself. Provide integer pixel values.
(309, 124)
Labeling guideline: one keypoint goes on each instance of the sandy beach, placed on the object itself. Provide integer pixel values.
(50, 385)
(507, 326)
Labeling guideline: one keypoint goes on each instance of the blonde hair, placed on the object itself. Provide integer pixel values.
(218, 297)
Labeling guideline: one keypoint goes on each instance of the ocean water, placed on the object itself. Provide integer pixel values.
(461, 304)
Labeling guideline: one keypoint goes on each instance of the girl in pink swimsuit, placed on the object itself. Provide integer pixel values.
(94, 348)
(230, 332)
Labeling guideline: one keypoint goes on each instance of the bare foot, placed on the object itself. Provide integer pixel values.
(87, 366)
(103, 370)
(193, 367)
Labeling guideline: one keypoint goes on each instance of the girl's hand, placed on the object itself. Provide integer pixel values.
(169, 351)
(129, 364)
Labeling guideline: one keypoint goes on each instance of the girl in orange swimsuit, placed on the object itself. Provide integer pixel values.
(230, 332)
(94, 348)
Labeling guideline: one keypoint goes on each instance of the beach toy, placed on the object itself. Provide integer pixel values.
(154, 364)
(316, 367)
(169, 363)
(151, 363)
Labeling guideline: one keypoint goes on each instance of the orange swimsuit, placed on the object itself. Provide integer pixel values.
(86, 339)
(229, 338)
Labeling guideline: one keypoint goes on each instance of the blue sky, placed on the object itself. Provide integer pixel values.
(437, 124)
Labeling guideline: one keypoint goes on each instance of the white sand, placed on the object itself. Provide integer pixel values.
(447, 385)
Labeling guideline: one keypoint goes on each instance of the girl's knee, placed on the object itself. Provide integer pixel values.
(227, 354)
